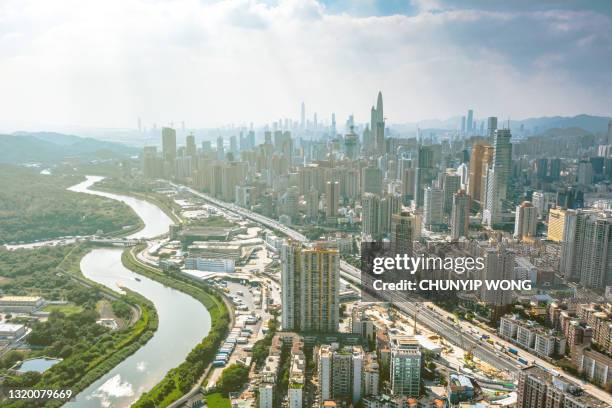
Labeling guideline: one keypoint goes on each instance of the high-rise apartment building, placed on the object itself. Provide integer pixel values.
(451, 183)
(312, 205)
(556, 224)
(491, 127)
(586, 249)
(460, 215)
(424, 173)
(310, 280)
(479, 162)
(340, 372)
(433, 216)
(190, 146)
(332, 199)
(405, 374)
(498, 176)
(169, 144)
(371, 178)
(220, 148)
(408, 179)
(499, 265)
(389, 204)
(370, 214)
(402, 232)
(526, 221)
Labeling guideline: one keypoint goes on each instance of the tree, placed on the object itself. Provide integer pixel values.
(11, 358)
(233, 378)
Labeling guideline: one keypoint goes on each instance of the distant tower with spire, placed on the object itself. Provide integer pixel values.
(378, 125)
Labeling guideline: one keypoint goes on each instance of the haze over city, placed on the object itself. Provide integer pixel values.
(210, 64)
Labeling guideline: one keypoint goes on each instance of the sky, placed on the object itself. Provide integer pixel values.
(212, 64)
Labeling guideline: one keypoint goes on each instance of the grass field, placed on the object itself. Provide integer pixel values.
(217, 400)
(67, 309)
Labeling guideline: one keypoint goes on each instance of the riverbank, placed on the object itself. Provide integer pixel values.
(36, 207)
(149, 197)
(182, 379)
(83, 367)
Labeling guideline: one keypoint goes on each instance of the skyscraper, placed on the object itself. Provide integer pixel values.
(370, 214)
(389, 204)
(310, 280)
(191, 148)
(432, 211)
(402, 226)
(451, 183)
(470, 121)
(372, 180)
(460, 215)
(424, 173)
(377, 126)
(408, 180)
(525, 221)
(303, 116)
(498, 177)
(586, 253)
(556, 224)
(340, 372)
(499, 265)
(476, 167)
(332, 198)
(405, 370)
(491, 128)
(220, 148)
(169, 144)
(312, 205)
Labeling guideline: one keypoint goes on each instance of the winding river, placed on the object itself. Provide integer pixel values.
(183, 321)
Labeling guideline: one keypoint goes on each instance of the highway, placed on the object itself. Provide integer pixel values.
(456, 333)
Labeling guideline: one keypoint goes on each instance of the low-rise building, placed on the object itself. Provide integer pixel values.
(210, 265)
(20, 304)
(11, 332)
(531, 336)
(595, 365)
(460, 388)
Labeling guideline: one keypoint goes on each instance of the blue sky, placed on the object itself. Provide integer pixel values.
(105, 63)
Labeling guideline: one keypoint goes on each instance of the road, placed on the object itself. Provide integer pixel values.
(456, 333)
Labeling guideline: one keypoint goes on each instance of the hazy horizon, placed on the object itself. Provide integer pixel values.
(210, 64)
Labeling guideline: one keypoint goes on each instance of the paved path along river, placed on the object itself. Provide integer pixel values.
(183, 321)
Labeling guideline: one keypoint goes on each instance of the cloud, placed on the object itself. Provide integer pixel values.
(213, 63)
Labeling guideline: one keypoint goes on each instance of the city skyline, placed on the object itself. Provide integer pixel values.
(144, 61)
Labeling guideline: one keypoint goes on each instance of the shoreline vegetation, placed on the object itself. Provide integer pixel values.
(181, 379)
(37, 207)
(118, 186)
(84, 363)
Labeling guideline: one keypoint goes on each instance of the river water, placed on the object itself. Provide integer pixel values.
(183, 321)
